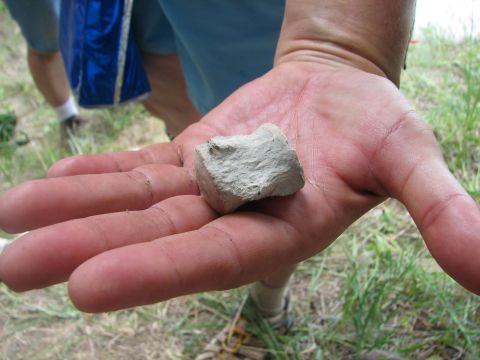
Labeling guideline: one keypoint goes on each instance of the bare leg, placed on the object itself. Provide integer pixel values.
(169, 100)
(51, 80)
(280, 278)
(49, 77)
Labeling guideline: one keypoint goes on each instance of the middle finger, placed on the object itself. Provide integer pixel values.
(43, 202)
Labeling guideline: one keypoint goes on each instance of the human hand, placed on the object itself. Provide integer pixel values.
(357, 138)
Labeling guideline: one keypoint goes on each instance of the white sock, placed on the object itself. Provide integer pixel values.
(270, 301)
(68, 109)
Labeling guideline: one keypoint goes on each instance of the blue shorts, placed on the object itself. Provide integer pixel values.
(38, 21)
(221, 44)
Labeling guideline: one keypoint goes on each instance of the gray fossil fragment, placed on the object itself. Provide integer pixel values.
(233, 170)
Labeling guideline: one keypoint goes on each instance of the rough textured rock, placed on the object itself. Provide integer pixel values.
(233, 170)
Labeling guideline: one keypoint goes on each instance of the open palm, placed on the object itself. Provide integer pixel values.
(136, 231)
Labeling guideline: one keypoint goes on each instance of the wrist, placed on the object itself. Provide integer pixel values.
(328, 55)
(368, 35)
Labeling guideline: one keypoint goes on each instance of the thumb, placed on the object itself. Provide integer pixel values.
(413, 171)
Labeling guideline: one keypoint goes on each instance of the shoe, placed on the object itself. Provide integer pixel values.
(237, 341)
(70, 127)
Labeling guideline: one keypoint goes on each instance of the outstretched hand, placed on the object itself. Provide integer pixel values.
(130, 228)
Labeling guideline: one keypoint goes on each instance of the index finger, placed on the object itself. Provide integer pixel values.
(163, 153)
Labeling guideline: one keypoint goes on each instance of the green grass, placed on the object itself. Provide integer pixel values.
(376, 287)
(444, 83)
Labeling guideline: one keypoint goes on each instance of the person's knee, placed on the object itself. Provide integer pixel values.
(43, 56)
